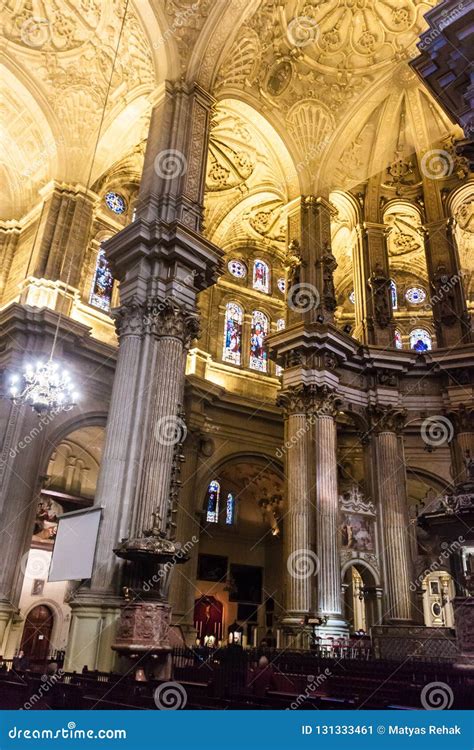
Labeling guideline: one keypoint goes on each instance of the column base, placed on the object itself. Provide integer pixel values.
(6, 616)
(94, 621)
(335, 627)
(295, 634)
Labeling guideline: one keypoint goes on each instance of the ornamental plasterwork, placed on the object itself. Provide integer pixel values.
(230, 164)
(404, 235)
(353, 501)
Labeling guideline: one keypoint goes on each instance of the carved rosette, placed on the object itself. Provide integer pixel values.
(387, 419)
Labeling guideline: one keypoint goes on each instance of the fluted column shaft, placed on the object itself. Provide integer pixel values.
(392, 498)
(299, 520)
(329, 577)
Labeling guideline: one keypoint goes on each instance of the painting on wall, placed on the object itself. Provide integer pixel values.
(357, 532)
(46, 522)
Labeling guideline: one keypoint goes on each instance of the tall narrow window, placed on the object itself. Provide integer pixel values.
(420, 340)
(102, 283)
(280, 327)
(261, 276)
(233, 333)
(258, 334)
(230, 509)
(213, 493)
(398, 340)
(393, 292)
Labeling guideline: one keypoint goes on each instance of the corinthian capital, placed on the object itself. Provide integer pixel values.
(317, 400)
(128, 319)
(386, 418)
(325, 402)
(165, 318)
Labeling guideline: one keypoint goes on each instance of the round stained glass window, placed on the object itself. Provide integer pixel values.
(415, 295)
(115, 202)
(281, 284)
(352, 297)
(237, 269)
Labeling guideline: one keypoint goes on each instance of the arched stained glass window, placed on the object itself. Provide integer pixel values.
(261, 275)
(233, 333)
(230, 509)
(420, 340)
(281, 324)
(258, 334)
(102, 283)
(281, 284)
(393, 292)
(352, 297)
(398, 340)
(213, 493)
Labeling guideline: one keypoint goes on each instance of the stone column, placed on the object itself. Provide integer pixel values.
(310, 263)
(300, 560)
(447, 290)
(325, 406)
(162, 262)
(373, 302)
(462, 446)
(387, 423)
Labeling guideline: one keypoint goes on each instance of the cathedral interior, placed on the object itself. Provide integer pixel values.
(236, 294)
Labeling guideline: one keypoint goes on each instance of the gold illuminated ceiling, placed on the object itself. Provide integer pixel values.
(311, 95)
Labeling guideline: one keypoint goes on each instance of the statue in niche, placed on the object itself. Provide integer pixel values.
(329, 266)
(380, 285)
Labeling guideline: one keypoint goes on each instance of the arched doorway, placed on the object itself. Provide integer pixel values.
(359, 598)
(36, 639)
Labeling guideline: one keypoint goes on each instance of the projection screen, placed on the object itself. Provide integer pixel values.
(74, 547)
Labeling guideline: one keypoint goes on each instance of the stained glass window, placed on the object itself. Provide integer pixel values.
(352, 297)
(237, 269)
(258, 334)
(102, 283)
(393, 292)
(260, 276)
(115, 202)
(229, 509)
(398, 340)
(281, 324)
(281, 284)
(213, 493)
(420, 340)
(233, 333)
(415, 295)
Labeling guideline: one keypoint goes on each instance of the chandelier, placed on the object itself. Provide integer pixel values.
(45, 387)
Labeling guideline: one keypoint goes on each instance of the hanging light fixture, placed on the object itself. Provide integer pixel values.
(45, 387)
